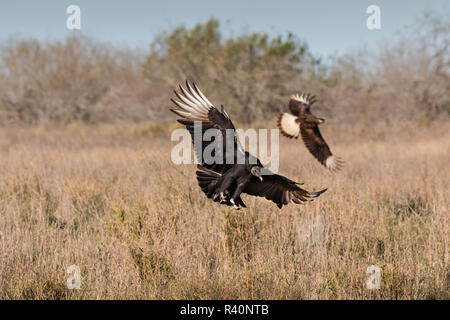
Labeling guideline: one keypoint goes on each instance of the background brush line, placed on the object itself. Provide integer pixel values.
(79, 79)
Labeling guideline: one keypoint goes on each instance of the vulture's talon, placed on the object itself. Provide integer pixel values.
(233, 204)
(223, 198)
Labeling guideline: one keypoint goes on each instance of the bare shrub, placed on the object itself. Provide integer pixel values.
(62, 82)
(253, 75)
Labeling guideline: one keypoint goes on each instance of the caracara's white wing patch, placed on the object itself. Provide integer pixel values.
(288, 126)
(330, 162)
(304, 98)
(334, 164)
(300, 98)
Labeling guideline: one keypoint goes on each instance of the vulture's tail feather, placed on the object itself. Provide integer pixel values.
(207, 180)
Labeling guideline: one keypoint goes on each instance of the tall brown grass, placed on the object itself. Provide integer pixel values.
(108, 199)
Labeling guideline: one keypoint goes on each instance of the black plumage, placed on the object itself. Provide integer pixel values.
(233, 171)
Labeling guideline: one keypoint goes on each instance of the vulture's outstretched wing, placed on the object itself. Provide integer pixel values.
(280, 190)
(199, 115)
(319, 148)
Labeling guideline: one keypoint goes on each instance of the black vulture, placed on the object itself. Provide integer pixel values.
(300, 121)
(234, 170)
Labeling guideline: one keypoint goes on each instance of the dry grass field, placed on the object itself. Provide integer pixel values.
(108, 199)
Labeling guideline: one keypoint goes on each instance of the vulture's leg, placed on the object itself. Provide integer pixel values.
(221, 187)
(223, 198)
(237, 193)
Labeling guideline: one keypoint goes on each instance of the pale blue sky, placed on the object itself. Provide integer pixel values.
(327, 26)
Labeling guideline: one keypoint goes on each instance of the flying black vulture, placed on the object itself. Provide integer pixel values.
(300, 121)
(225, 178)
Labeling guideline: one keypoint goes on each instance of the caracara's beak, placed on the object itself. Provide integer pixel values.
(321, 120)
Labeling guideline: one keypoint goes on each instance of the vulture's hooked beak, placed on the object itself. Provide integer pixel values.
(256, 171)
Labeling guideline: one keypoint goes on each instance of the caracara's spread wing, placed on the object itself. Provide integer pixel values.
(298, 103)
(280, 190)
(289, 125)
(319, 148)
(196, 110)
(299, 106)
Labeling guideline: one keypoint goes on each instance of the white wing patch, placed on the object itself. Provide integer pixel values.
(334, 164)
(330, 162)
(288, 125)
(192, 103)
(304, 98)
(300, 98)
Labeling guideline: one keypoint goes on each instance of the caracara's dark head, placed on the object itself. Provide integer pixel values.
(301, 104)
(312, 119)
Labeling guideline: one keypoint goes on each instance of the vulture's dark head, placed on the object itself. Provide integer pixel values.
(253, 165)
(256, 171)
